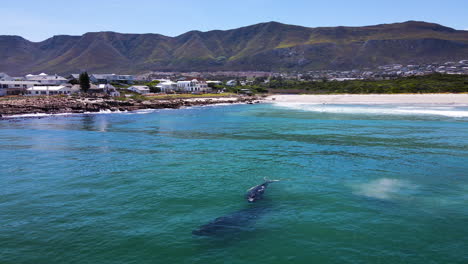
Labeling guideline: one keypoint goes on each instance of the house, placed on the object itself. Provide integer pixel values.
(104, 89)
(45, 79)
(109, 78)
(75, 89)
(141, 89)
(15, 87)
(214, 82)
(194, 85)
(48, 90)
(76, 77)
(245, 91)
(231, 83)
(167, 86)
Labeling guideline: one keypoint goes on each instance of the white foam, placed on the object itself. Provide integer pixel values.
(449, 111)
(384, 188)
(36, 115)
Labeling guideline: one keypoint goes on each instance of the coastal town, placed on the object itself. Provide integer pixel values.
(100, 84)
(116, 85)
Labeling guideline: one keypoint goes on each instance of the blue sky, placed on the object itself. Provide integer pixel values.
(37, 20)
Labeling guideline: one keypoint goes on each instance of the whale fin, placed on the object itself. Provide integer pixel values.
(268, 180)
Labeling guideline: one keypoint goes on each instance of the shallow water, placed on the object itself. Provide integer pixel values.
(361, 185)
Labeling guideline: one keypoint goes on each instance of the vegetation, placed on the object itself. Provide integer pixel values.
(434, 83)
(152, 86)
(266, 46)
(84, 82)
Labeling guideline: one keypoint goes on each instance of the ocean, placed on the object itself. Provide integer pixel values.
(359, 184)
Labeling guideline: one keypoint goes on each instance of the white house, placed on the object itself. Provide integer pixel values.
(141, 89)
(214, 82)
(45, 79)
(15, 87)
(48, 90)
(231, 83)
(109, 89)
(193, 86)
(167, 86)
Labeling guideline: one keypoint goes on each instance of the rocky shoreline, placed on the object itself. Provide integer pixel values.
(60, 105)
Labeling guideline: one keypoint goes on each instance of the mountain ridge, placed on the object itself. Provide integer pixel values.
(269, 46)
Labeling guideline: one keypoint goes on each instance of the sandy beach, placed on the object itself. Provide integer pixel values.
(372, 99)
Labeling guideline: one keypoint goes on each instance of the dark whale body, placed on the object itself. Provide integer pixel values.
(236, 222)
(240, 220)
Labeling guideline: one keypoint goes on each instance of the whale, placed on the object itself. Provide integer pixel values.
(239, 221)
(256, 193)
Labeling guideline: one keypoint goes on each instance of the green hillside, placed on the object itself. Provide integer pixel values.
(268, 46)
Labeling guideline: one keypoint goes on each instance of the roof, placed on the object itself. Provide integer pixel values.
(103, 76)
(168, 82)
(44, 76)
(19, 82)
(47, 88)
(139, 87)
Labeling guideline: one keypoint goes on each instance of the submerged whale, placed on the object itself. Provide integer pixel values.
(241, 220)
(236, 222)
(256, 193)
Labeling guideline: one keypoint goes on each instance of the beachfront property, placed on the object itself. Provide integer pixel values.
(194, 85)
(107, 88)
(141, 89)
(45, 79)
(15, 87)
(105, 78)
(167, 86)
(48, 90)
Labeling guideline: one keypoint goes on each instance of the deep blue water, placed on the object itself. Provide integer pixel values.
(375, 184)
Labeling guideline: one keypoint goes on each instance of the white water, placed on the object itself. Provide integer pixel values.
(440, 110)
(385, 189)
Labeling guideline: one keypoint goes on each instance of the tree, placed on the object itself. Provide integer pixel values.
(152, 86)
(84, 82)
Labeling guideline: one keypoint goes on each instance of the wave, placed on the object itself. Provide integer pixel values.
(107, 111)
(449, 111)
(64, 114)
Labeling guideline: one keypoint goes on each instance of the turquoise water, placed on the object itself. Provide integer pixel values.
(375, 184)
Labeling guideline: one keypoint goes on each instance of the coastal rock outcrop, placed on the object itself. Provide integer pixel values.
(57, 104)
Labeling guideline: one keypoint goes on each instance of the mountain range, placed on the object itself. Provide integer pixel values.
(268, 46)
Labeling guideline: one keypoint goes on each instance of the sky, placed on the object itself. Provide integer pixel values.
(37, 20)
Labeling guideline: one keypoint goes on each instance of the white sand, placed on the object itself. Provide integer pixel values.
(372, 99)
